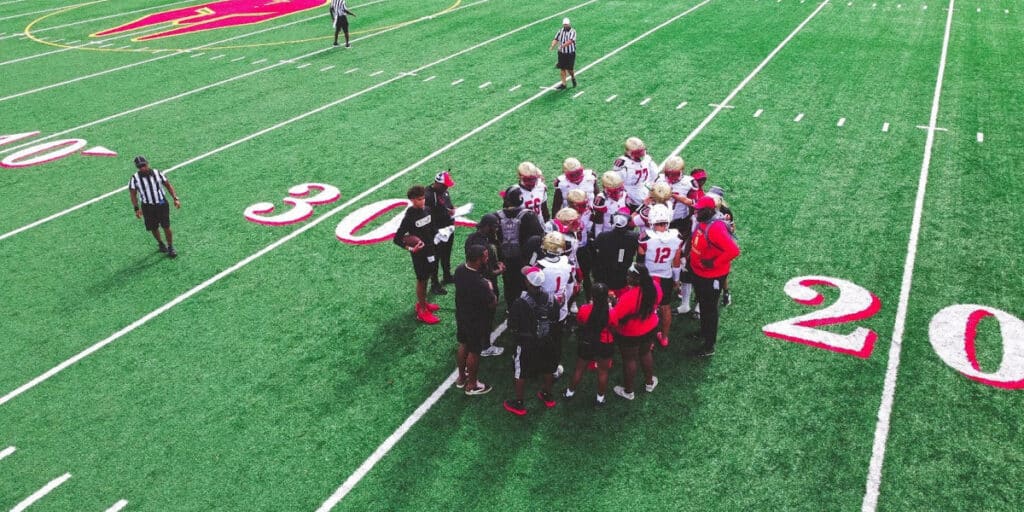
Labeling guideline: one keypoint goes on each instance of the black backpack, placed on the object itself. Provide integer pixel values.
(542, 316)
(510, 227)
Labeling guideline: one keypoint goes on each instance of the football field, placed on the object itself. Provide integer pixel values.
(872, 150)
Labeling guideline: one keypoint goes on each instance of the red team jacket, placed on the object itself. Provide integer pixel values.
(712, 250)
(629, 303)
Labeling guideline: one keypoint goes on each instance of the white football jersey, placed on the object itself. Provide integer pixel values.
(587, 185)
(637, 176)
(660, 249)
(558, 280)
(683, 187)
(586, 227)
(608, 208)
(532, 199)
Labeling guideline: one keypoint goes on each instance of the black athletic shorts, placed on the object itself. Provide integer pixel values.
(667, 287)
(156, 215)
(591, 351)
(423, 265)
(534, 360)
(474, 342)
(341, 22)
(643, 341)
(566, 61)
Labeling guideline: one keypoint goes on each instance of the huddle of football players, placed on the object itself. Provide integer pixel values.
(600, 236)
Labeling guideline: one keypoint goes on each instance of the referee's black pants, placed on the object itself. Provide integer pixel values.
(708, 293)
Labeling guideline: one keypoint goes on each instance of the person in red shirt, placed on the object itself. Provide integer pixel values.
(595, 342)
(712, 249)
(633, 321)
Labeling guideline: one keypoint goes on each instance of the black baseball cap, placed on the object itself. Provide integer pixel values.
(140, 161)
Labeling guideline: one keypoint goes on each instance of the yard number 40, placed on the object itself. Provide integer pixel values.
(953, 330)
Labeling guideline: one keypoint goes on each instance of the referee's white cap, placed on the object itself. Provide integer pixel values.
(565, 21)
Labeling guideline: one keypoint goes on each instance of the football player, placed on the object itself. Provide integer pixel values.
(660, 194)
(578, 201)
(607, 203)
(661, 250)
(638, 171)
(416, 234)
(535, 192)
(573, 177)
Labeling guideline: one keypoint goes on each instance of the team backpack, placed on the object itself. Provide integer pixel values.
(510, 233)
(542, 316)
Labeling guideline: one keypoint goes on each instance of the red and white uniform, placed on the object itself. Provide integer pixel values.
(660, 249)
(572, 239)
(606, 207)
(587, 185)
(558, 280)
(586, 227)
(636, 176)
(683, 187)
(535, 197)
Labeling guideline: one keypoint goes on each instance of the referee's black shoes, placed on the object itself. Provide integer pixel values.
(560, 87)
(171, 253)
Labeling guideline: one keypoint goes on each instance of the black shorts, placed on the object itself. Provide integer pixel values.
(534, 360)
(591, 351)
(566, 61)
(423, 265)
(341, 22)
(667, 287)
(156, 215)
(474, 342)
(643, 341)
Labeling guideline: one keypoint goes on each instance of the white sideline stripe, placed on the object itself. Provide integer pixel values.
(56, 27)
(306, 65)
(116, 507)
(196, 90)
(353, 70)
(645, 101)
(194, 55)
(228, 271)
(24, 14)
(397, 435)
(723, 105)
(7, 451)
(326, 68)
(681, 105)
(759, 112)
(375, 73)
(429, 78)
(485, 84)
(215, 57)
(261, 61)
(798, 117)
(577, 95)
(981, 137)
(611, 98)
(885, 127)
(393, 439)
(172, 54)
(459, 81)
(38, 495)
(842, 121)
(515, 87)
(696, 131)
(874, 479)
(105, 45)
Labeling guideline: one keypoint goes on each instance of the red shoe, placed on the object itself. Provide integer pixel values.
(432, 307)
(424, 315)
(662, 340)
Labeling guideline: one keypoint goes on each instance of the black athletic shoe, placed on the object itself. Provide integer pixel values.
(574, 82)
(161, 247)
(348, 45)
(448, 280)
(437, 289)
(560, 87)
(335, 43)
(171, 253)
(726, 298)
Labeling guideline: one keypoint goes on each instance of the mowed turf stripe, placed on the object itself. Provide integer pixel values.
(134, 325)
(874, 477)
(251, 136)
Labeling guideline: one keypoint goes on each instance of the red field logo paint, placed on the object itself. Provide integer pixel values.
(212, 16)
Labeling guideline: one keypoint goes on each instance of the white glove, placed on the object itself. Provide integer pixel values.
(444, 234)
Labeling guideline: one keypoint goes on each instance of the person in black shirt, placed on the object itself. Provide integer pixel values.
(516, 225)
(531, 322)
(416, 235)
(475, 302)
(486, 236)
(614, 251)
(442, 215)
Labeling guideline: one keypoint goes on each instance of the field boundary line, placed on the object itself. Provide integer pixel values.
(398, 434)
(874, 477)
(154, 59)
(55, 27)
(41, 493)
(306, 227)
(757, 70)
(214, 151)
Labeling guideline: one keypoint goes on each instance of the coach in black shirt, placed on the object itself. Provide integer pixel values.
(146, 185)
(475, 302)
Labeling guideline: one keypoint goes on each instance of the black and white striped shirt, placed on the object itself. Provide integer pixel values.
(149, 186)
(339, 7)
(566, 35)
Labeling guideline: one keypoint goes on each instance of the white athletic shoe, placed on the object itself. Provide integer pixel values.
(621, 391)
(558, 372)
(650, 387)
(683, 309)
(574, 308)
(492, 350)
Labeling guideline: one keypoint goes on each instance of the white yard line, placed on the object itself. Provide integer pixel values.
(194, 55)
(728, 99)
(645, 101)
(759, 112)
(885, 127)
(841, 122)
(981, 137)
(261, 61)
(874, 478)
(577, 95)
(681, 105)
(7, 451)
(306, 65)
(484, 85)
(429, 78)
(321, 218)
(459, 81)
(26, 14)
(215, 57)
(798, 117)
(375, 73)
(127, 13)
(611, 98)
(116, 507)
(514, 87)
(396, 436)
(38, 495)
(236, 59)
(326, 68)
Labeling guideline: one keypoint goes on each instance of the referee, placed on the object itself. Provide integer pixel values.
(339, 12)
(145, 185)
(565, 39)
